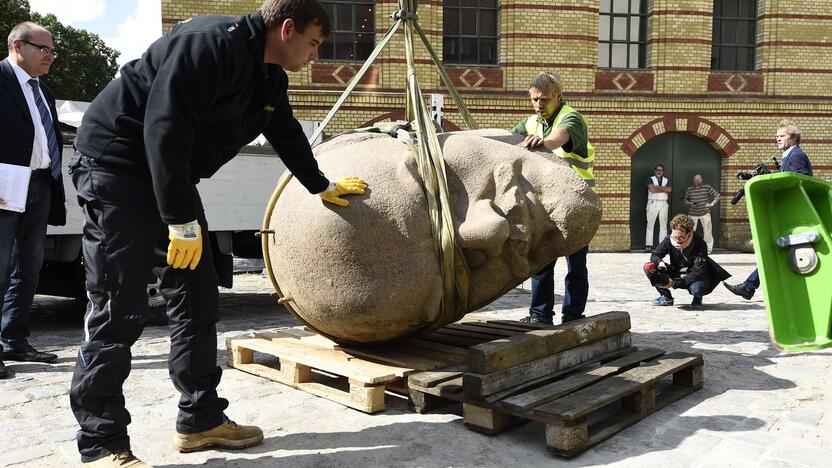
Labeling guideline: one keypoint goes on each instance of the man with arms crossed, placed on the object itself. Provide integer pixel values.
(658, 192)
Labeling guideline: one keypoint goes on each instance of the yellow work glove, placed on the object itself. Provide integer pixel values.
(185, 247)
(347, 186)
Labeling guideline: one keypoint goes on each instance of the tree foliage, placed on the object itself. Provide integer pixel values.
(84, 64)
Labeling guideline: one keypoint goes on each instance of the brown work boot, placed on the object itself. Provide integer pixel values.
(227, 435)
(123, 459)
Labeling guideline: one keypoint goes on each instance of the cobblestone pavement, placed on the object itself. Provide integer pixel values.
(759, 407)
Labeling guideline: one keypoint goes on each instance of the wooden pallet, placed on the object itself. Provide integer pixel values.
(583, 380)
(358, 377)
(579, 407)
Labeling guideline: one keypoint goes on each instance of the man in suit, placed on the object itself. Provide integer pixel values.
(31, 138)
(794, 160)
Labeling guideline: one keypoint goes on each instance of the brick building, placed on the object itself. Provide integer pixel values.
(699, 85)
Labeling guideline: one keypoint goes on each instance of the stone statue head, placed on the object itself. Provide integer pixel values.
(369, 272)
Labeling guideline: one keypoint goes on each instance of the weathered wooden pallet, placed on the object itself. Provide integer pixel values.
(358, 377)
(580, 406)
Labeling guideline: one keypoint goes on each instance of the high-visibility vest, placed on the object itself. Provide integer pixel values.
(535, 125)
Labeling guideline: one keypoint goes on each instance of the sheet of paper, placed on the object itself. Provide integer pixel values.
(14, 187)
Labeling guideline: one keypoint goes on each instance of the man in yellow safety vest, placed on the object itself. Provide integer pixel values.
(562, 130)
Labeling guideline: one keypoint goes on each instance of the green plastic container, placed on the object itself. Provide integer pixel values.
(791, 216)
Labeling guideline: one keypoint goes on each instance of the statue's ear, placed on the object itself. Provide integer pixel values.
(484, 229)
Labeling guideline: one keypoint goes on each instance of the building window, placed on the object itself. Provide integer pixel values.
(470, 31)
(353, 30)
(622, 34)
(734, 35)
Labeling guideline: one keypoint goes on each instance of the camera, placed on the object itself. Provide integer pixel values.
(759, 170)
(656, 273)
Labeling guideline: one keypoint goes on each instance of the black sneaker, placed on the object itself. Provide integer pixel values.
(28, 354)
(739, 290)
(532, 318)
(3, 371)
(569, 318)
(695, 304)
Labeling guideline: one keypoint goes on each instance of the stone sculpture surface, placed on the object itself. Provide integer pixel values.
(369, 272)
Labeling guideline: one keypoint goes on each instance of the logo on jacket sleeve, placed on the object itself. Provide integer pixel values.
(233, 27)
(268, 108)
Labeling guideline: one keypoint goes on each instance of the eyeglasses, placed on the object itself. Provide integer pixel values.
(679, 238)
(43, 49)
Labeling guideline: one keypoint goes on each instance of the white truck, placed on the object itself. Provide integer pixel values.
(234, 198)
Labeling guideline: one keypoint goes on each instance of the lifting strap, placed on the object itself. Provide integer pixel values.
(425, 147)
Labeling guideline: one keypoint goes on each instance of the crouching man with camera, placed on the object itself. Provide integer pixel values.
(689, 268)
(794, 160)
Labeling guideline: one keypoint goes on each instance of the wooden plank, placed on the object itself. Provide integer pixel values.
(516, 327)
(614, 388)
(451, 340)
(478, 385)
(302, 335)
(527, 325)
(401, 365)
(333, 361)
(455, 351)
(435, 377)
(555, 390)
(451, 389)
(447, 359)
(477, 328)
(397, 358)
(531, 384)
(398, 354)
(521, 348)
(482, 336)
(608, 427)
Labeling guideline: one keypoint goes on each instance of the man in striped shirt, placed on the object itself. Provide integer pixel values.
(700, 199)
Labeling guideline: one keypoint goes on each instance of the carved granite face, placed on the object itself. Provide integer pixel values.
(370, 272)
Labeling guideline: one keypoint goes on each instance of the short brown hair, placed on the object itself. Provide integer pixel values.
(548, 82)
(682, 222)
(302, 12)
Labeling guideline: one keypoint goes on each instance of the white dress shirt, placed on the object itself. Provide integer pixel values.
(40, 147)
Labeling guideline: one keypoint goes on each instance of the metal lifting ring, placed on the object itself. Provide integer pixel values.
(403, 14)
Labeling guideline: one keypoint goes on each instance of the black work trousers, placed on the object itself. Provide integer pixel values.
(121, 229)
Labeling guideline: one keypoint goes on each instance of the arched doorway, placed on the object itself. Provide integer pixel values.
(683, 155)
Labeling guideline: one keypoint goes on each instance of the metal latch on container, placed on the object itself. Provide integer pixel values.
(802, 257)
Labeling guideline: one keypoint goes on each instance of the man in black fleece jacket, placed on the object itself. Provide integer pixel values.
(690, 267)
(199, 93)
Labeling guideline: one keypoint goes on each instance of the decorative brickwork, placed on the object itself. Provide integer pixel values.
(715, 135)
(736, 82)
(737, 114)
(341, 73)
(623, 80)
(475, 77)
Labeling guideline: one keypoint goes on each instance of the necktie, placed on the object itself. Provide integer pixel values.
(49, 127)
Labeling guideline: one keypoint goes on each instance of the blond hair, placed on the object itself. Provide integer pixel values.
(791, 128)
